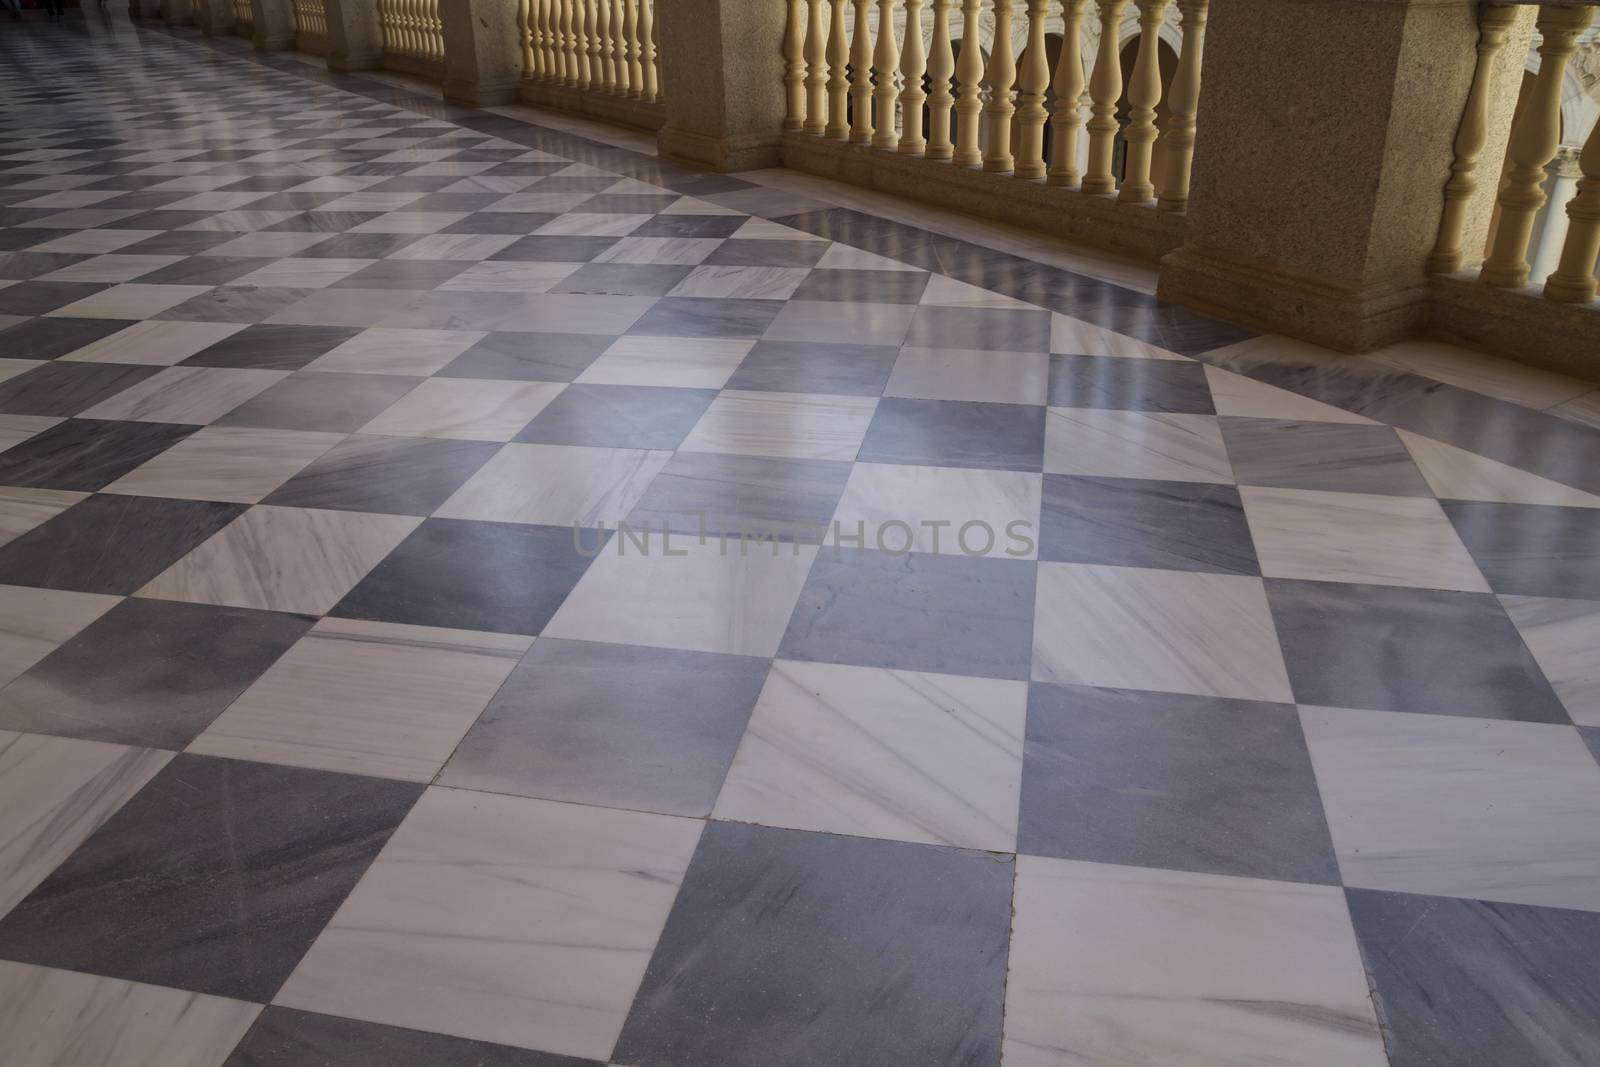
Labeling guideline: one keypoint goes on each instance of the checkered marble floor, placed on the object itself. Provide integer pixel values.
(1191, 697)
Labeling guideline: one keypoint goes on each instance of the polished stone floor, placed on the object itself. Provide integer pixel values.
(417, 648)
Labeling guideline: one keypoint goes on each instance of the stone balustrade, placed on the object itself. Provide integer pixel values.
(413, 37)
(594, 57)
(310, 26)
(244, 19)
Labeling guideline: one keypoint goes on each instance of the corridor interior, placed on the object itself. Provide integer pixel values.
(475, 593)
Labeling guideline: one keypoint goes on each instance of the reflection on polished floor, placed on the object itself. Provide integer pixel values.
(1158, 693)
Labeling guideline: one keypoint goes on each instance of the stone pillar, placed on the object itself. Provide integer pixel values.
(214, 17)
(722, 74)
(482, 51)
(177, 12)
(274, 25)
(1544, 251)
(354, 40)
(1326, 139)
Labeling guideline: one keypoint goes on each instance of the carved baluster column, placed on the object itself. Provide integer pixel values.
(794, 67)
(1143, 95)
(1534, 140)
(999, 77)
(630, 36)
(1574, 281)
(600, 55)
(838, 126)
(913, 65)
(1182, 104)
(1105, 88)
(1032, 84)
(885, 64)
(861, 76)
(941, 66)
(619, 50)
(969, 93)
(1067, 121)
(816, 82)
(648, 50)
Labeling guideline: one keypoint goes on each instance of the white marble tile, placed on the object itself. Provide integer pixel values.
(409, 222)
(1128, 965)
(465, 409)
(746, 283)
(843, 257)
(10, 368)
(509, 276)
(239, 465)
(303, 272)
(1070, 336)
(130, 300)
(767, 230)
(272, 245)
(1456, 474)
(880, 753)
(34, 622)
(950, 510)
(1235, 394)
(283, 559)
(1358, 537)
(1483, 373)
(786, 425)
(684, 205)
(557, 485)
(684, 362)
(664, 251)
(539, 203)
(18, 427)
(943, 291)
(1455, 806)
(109, 268)
(676, 591)
(592, 224)
(52, 1018)
(97, 242)
(54, 793)
(523, 922)
(23, 509)
(1563, 636)
(1585, 409)
(965, 374)
(379, 350)
(1170, 631)
(456, 246)
(1135, 444)
(197, 395)
(370, 201)
(366, 698)
(69, 198)
(155, 342)
(216, 200)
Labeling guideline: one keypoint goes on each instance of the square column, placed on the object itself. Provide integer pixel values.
(214, 17)
(721, 67)
(1326, 137)
(355, 41)
(482, 51)
(274, 25)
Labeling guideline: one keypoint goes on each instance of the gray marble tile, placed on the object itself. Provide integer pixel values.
(845, 949)
(546, 357)
(1461, 807)
(1129, 384)
(1532, 550)
(62, 1017)
(1136, 522)
(1562, 635)
(33, 622)
(620, 726)
(154, 342)
(698, 492)
(221, 899)
(393, 475)
(1115, 964)
(837, 322)
(944, 614)
(334, 403)
(988, 329)
(1321, 455)
(65, 389)
(949, 433)
(269, 347)
(465, 409)
(618, 416)
(703, 317)
(1471, 983)
(23, 509)
(502, 919)
(148, 672)
(197, 395)
(804, 367)
(284, 1037)
(1135, 444)
(1424, 650)
(1177, 782)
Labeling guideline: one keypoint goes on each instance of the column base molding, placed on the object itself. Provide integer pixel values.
(273, 44)
(753, 151)
(607, 107)
(475, 95)
(1344, 319)
(353, 63)
(1518, 323)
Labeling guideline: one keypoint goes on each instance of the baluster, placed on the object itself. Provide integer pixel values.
(647, 46)
(576, 58)
(838, 74)
(1573, 281)
(569, 42)
(861, 76)
(885, 65)
(591, 34)
(1032, 84)
(1182, 104)
(969, 100)
(816, 82)
(1533, 145)
(1067, 121)
(1002, 72)
(547, 51)
(605, 78)
(1143, 95)
(794, 67)
(913, 64)
(1493, 25)
(630, 35)
(941, 66)
(619, 51)
(526, 16)
(1105, 88)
